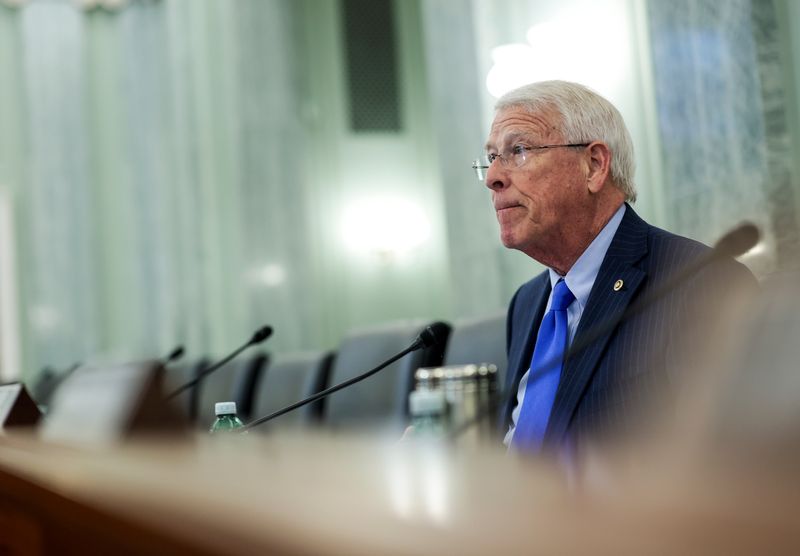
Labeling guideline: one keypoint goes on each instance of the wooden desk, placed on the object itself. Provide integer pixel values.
(314, 494)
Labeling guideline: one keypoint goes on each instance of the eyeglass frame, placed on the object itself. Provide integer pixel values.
(505, 160)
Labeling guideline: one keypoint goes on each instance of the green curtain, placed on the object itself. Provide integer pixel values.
(148, 151)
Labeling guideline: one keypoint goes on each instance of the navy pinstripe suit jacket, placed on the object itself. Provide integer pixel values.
(602, 386)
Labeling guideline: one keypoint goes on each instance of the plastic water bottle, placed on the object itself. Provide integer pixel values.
(226, 418)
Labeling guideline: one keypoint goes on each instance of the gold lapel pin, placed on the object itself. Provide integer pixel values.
(618, 285)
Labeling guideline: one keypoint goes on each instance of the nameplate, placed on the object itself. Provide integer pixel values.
(99, 405)
(17, 408)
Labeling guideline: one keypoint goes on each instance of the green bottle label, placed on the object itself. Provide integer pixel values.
(226, 423)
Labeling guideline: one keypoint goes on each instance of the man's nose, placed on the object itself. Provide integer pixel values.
(496, 176)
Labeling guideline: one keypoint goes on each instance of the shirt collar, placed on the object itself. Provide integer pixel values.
(581, 276)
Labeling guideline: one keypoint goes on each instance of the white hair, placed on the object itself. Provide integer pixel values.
(585, 116)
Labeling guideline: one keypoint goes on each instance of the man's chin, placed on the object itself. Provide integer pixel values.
(516, 243)
(509, 241)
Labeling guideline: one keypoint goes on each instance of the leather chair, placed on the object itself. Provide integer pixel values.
(479, 340)
(46, 384)
(288, 379)
(236, 383)
(380, 401)
(178, 375)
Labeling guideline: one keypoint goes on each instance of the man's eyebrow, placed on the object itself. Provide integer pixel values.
(510, 137)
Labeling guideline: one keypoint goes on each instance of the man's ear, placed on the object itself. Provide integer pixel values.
(599, 166)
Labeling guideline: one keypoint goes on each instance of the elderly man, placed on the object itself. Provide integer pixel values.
(559, 163)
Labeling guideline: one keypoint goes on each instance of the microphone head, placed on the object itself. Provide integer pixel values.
(176, 354)
(261, 334)
(738, 241)
(426, 338)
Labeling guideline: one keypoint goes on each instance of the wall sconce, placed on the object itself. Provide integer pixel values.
(386, 227)
(270, 275)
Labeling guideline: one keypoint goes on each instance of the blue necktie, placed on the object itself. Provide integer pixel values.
(545, 372)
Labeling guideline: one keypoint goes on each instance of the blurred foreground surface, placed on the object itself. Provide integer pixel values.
(314, 494)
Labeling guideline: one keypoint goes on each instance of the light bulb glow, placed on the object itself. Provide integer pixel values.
(574, 46)
(514, 66)
(270, 275)
(384, 225)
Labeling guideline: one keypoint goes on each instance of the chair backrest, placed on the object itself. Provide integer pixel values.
(46, 383)
(290, 378)
(236, 383)
(479, 340)
(178, 375)
(249, 375)
(380, 401)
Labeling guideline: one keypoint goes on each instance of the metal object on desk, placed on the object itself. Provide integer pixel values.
(470, 391)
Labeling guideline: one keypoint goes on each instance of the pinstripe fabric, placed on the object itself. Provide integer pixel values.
(603, 386)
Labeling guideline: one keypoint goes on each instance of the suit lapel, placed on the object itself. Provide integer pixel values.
(628, 247)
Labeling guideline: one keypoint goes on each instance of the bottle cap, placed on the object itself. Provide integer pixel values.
(225, 408)
(427, 402)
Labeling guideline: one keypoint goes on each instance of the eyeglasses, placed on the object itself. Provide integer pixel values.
(514, 157)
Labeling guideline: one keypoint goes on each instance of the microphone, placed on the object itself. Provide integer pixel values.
(738, 241)
(259, 336)
(173, 356)
(425, 339)
(734, 243)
